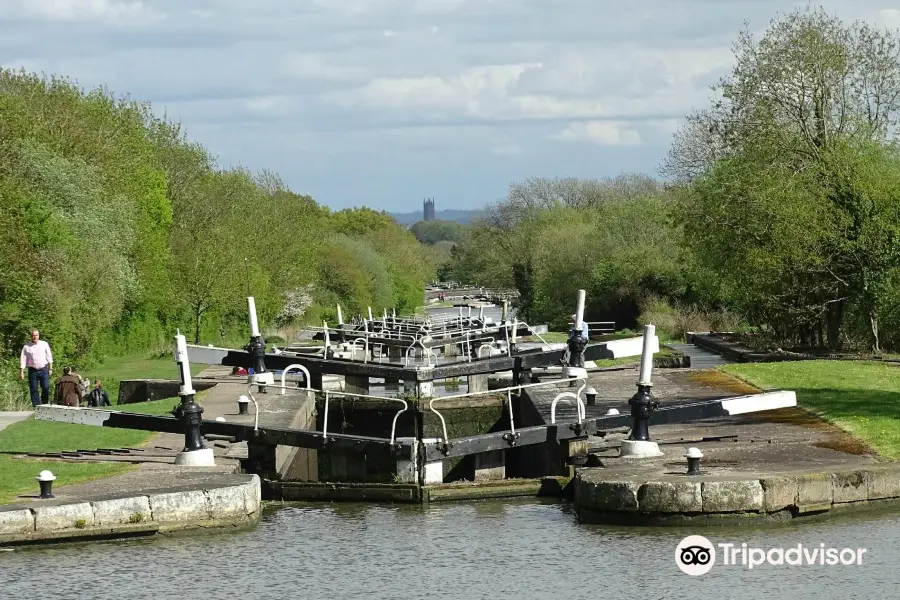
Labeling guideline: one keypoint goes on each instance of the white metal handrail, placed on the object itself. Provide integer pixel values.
(298, 367)
(329, 393)
(508, 390)
(579, 405)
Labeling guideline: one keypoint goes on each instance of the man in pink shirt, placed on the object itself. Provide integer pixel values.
(37, 358)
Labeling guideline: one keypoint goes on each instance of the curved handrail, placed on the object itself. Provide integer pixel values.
(509, 397)
(578, 403)
(428, 353)
(299, 367)
(365, 342)
(255, 405)
(329, 393)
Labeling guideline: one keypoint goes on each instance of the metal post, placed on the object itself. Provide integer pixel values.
(642, 403)
(256, 347)
(579, 311)
(189, 411)
(45, 480)
(340, 317)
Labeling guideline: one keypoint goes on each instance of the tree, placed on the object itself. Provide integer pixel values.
(808, 82)
(432, 232)
(775, 179)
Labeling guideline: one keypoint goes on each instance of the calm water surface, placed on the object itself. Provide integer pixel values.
(461, 551)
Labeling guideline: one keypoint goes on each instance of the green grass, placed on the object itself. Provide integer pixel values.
(863, 398)
(30, 436)
(115, 369)
(44, 436)
(551, 337)
(17, 476)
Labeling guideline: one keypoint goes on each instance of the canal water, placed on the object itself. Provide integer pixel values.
(497, 550)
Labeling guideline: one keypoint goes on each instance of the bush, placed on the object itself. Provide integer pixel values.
(675, 321)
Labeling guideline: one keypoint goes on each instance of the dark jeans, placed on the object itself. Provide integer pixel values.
(41, 376)
(576, 347)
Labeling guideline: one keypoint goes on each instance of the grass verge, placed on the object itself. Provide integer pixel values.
(30, 436)
(17, 475)
(860, 397)
(113, 370)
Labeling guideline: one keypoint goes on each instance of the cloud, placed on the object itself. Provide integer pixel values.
(385, 101)
(110, 11)
(603, 133)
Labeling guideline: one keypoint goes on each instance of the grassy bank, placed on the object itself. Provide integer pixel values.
(861, 397)
(116, 369)
(30, 436)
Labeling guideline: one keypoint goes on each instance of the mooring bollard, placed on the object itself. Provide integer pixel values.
(590, 395)
(243, 405)
(45, 479)
(195, 452)
(693, 456)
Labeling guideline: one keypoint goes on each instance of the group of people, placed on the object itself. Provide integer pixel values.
(70, 390)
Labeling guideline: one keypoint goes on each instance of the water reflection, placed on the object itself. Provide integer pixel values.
(454, 551)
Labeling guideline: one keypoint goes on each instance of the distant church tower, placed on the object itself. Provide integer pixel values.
(429, 209)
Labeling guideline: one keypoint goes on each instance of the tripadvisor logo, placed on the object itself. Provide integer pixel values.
(696, 555)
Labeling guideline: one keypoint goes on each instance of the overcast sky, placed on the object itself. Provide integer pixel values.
(384, 102)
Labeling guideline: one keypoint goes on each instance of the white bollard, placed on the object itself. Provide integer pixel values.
(647, 355)
(184, 368)
(579, 310)
(199, 456)
(254, 325)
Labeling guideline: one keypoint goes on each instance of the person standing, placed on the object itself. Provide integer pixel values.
(578, 339)
(38, 360)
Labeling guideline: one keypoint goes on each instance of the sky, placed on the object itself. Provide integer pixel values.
(381, 103)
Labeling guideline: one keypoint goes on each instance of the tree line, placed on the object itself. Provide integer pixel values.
(778, 215)
(116, 229)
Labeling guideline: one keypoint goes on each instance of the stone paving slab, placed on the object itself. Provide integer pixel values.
(777, 465)
(8, 417)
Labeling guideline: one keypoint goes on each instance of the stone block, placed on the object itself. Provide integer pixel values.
(179, 506)
(253, 495)
(66, 516)
(122, 510)
(621, 496)
(16, 521)
(778, 493)
(668, 497)
(227, 502)
(583, 492)
(814, 489)
(732, 496)
(883, 483)
(850, 486)
(477, 383)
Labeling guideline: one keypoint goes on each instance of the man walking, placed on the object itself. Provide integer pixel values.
(37, 358)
